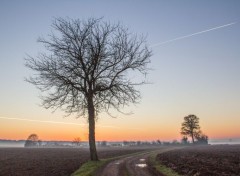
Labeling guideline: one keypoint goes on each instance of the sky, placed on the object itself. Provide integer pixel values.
(195, 68)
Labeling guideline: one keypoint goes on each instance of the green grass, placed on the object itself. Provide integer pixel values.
(166, 171)
(89, 168)
(160, 167)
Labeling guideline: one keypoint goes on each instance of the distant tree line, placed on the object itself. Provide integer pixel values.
(155, 143)
(34, 141)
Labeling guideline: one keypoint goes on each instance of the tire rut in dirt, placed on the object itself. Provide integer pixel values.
(138, 166)
(134, 165)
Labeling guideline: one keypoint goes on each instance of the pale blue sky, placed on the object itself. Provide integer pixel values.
(199, 74)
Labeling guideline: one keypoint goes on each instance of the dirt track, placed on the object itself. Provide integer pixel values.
(136, 165)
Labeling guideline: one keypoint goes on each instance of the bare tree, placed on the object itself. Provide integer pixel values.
(86, 69)
(190, 126)
(77, 141)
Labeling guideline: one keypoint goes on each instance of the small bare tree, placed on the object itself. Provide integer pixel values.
(77, 141)
(86, 68)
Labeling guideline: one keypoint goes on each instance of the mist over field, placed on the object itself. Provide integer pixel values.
(13, 143)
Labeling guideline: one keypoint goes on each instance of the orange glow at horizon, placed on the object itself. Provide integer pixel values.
(142, 131)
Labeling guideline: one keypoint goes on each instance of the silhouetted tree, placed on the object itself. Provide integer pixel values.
(139, 143)
(32, 141)
(201, 138)
(175, 142)
(184, 140)
(103, 143)
(86, 68)
(77, 141)
(190, 126)
(125, 143)
(154, 142)
(39, 143)
(159, 142)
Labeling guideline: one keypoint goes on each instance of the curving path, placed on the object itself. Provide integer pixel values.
(136, 165)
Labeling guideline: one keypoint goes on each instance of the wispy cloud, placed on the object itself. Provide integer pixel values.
(65, 123)
(43, 121)
(193, 34)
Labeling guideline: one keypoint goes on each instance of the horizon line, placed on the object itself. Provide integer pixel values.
(169, 140)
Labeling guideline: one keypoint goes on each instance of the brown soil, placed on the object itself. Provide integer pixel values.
(221, 160)
(50, 161)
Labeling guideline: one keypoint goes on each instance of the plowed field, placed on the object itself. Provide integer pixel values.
(221, 160)
(50, 161)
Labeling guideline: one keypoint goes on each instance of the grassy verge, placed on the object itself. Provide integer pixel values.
(158, 167)
(89, 168)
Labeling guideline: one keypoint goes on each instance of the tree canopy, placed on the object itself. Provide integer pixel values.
(190, 127)
(32, 141)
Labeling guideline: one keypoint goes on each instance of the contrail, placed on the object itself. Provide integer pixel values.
(65, 123)
(190, 35)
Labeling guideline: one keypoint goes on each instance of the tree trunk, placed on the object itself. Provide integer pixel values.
(192, 138)
(91, 122)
